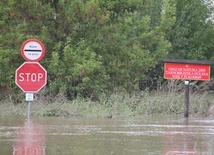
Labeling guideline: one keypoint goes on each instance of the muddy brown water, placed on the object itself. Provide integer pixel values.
(150, 135)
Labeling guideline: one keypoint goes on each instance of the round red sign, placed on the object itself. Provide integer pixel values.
(32, 50)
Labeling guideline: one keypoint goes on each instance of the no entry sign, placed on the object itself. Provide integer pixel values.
(32, 50)
(31, 77)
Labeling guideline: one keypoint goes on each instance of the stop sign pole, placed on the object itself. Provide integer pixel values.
(31, 77)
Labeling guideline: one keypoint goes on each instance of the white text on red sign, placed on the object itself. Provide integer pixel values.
(30, 77)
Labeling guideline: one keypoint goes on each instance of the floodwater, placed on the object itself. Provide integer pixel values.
(150, 135)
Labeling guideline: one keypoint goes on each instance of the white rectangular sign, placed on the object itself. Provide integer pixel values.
(29, 96)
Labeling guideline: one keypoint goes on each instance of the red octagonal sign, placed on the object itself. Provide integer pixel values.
(31, 77)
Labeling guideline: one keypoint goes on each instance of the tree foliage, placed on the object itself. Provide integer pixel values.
(94, 46)
(192, 32)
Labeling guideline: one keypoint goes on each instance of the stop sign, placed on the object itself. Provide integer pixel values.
(31, 77)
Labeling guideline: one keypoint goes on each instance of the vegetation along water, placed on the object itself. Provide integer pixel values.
(104, 58)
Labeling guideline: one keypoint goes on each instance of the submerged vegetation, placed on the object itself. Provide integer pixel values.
(168, 100)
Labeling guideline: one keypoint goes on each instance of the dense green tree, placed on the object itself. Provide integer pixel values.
(193, 31)
(120, 34)
(94, 46)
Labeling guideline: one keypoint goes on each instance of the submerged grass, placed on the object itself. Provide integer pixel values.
(118, 104)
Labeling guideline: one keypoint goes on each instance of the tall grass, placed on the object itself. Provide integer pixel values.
(167, 99)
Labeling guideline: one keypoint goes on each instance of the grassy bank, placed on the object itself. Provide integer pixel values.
(119, 104)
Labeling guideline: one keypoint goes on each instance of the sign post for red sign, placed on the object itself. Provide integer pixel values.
(31, 76)
(186, 70)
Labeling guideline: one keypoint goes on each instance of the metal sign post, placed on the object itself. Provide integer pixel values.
(29, 98)
(186, 99)
(28, 112)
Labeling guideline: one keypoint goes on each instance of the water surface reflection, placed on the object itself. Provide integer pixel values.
(30, 140)
(73, 136)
